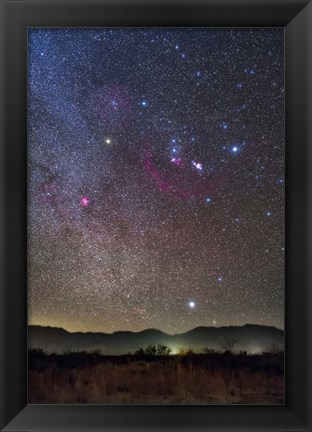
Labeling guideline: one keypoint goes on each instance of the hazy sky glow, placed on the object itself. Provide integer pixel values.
(156, 178)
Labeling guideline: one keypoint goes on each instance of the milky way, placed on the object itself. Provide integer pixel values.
(156, 178)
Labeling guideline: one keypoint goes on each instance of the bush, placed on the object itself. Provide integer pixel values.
(153, 350)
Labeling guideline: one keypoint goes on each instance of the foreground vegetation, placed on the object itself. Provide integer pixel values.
(91, 378)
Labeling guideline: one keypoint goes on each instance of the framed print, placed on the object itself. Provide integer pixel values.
(155, 215)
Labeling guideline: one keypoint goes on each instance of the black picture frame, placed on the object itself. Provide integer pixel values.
(16, 17)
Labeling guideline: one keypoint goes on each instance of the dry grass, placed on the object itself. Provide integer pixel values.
(157, 381)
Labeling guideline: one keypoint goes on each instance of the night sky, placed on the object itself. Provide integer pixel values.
(156, 178)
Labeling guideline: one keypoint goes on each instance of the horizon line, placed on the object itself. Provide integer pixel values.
(152, 328)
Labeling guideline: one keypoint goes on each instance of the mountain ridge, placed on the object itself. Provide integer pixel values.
(153, 329)
(249, 338)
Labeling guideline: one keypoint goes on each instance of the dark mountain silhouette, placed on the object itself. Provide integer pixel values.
(250, 338)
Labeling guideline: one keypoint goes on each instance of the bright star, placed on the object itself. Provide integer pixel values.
(220, 279)
(197, 165)
(268, 213)
(192, 304)
(144, 103)
(208, 200)
(234, 149)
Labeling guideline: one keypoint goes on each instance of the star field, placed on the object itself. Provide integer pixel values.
(156, 178)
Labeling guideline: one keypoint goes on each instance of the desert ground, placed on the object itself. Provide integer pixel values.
(215, 378)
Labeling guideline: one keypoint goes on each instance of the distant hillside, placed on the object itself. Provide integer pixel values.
(251, 338)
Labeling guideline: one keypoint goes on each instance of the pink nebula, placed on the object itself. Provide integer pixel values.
(84, 201)
(184, 184)
(177, 161)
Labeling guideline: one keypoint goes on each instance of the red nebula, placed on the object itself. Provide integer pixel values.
(184, 184)
(84, 201)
